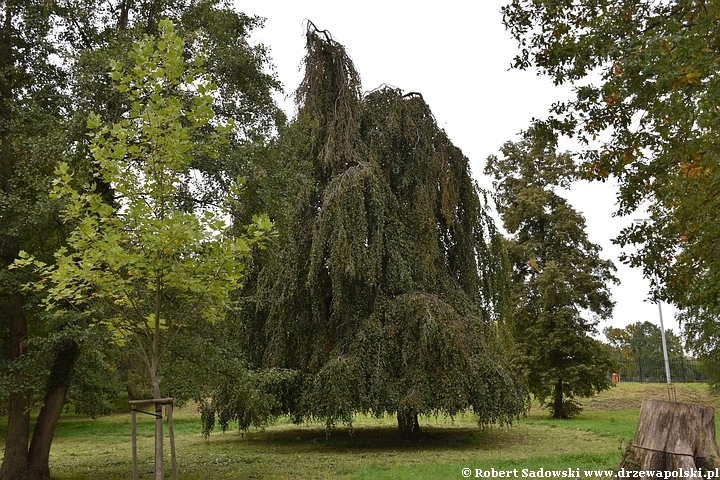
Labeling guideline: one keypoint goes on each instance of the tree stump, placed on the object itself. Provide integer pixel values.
(671, 436)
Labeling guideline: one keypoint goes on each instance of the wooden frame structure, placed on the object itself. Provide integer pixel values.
(158, 402)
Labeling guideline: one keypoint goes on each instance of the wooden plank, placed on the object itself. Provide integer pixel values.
(156, 401)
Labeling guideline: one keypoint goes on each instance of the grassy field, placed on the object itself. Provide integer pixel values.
(91, 449)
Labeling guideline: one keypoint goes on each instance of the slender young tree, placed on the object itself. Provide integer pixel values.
(558, 277)
(379, 297)
(141, 261)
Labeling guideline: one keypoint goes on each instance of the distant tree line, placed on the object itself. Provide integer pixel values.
(639, 355)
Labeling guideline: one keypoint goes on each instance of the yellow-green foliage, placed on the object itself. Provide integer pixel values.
(141, 265)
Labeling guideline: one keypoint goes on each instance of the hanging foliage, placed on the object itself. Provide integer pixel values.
(380, 293)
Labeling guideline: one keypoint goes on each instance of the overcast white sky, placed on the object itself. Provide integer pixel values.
(457, 54)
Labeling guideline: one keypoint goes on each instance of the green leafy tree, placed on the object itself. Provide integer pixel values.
(378, 298)
(44, 357)
(645, 79)
(558, 277)
(141, 263)
(643, 340)
(97, 34)
(702, 337)
(641, 344)
(31, 139)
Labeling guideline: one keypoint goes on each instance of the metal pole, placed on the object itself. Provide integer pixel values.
(664, 344)
(662, 327)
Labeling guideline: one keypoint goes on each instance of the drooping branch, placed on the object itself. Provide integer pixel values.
(375, 293)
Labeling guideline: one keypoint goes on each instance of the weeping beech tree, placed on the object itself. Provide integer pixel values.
(380, 296)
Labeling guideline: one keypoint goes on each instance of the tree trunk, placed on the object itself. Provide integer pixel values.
(159, 454)
(14, 466)
(672, 436)
(155, 380)
(55, 392)
(124, 15)
(408, 426)
(558, 406)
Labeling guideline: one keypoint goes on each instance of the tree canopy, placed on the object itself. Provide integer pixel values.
(558, 277)
(380, 295)
(141, 263)
(645, 94)
(32, 135)
(56, 64)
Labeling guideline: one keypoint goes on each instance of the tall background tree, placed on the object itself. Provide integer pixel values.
(645, 79)
(379, 296)
(31, 139)
(558, 277)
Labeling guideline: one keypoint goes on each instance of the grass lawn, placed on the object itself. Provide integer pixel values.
(91, 449)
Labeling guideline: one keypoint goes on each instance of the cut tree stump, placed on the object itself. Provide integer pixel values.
(671, 436)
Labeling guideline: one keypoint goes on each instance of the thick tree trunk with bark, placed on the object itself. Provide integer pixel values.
(408, 425)
(671, 436)
(55, 393)
(14, 466)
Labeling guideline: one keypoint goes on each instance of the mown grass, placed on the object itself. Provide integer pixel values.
(100, 448)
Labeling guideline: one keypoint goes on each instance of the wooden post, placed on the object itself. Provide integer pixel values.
(171, 431)
(134, 443)
(672, 436)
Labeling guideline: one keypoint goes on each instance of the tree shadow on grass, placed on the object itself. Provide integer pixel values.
(374, 439)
